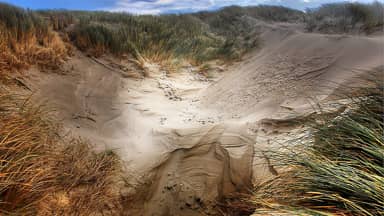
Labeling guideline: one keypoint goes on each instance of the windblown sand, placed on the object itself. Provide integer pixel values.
(200, 139)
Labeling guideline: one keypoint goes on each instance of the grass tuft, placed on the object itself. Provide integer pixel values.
(44, 174)
(338, 170)
(346, 17)
(26, 39)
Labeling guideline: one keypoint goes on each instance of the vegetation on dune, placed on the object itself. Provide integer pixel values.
(230, 24)
(42, 174)
(238, 26)
(198, 37)
(263, 12)
(150, 37)
(275, 13)
(346, 17)
(225, 34)
(341, 171)
(58, 19)
(26, 39)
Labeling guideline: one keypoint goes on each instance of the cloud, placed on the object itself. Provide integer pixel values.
(163, 6)
(175, 6)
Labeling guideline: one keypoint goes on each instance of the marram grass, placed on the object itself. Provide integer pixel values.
(42, 173)
(340, 170)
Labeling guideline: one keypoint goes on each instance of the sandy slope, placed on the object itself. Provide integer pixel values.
(196, 139)
(291, 70)
(157, 128)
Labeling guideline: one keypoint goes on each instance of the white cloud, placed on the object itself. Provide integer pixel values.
(160, 6)
(163, 6)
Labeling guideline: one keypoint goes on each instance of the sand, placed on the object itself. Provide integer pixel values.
(200, 139)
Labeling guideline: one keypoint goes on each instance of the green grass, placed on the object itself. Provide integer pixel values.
(346, 17)
(338, 170)
(19, 22)
(197, 37)
(150, 37)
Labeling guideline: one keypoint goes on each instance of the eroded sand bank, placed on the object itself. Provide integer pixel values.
(198, 140)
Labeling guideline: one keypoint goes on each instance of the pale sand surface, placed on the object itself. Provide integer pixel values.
(200, 139)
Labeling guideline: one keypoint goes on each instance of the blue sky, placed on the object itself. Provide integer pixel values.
(160, 6)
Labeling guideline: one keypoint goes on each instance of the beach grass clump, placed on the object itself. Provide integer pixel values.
(225, 34)
(26, 39)
(198, 37)
(339, 170)
(42, 173)
(155, 38)
(346, 17)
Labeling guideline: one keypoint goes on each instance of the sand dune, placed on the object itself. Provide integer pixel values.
(293, 69)
(200, 140)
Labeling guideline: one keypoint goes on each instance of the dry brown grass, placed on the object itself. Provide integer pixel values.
(44, 174)
(41, 172)
(237, 204)
(86, 182)
(17, 55)
(26, 39)
(25, 173)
